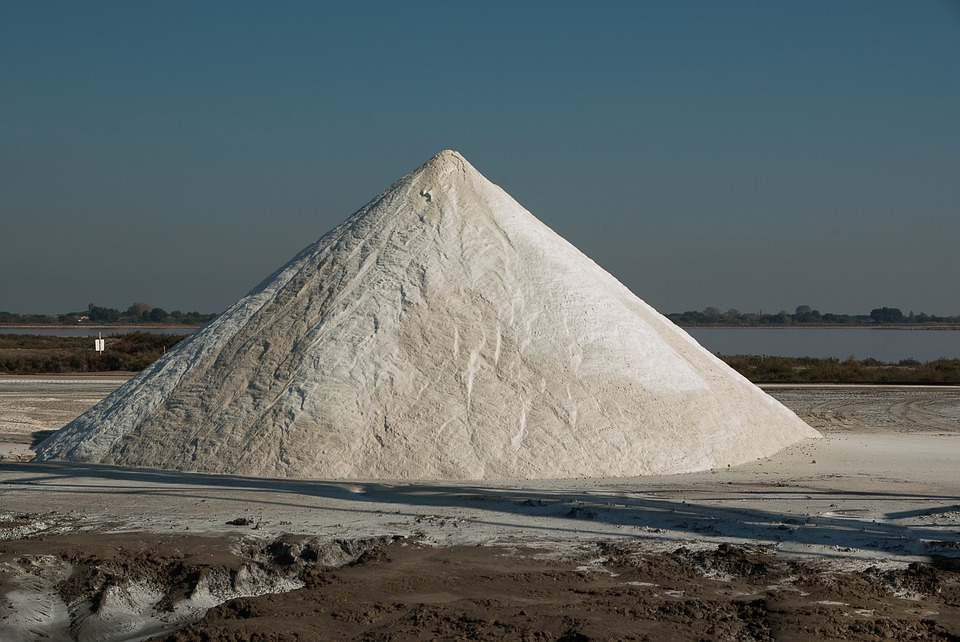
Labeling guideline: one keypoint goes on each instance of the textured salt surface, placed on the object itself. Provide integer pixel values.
(442, 331)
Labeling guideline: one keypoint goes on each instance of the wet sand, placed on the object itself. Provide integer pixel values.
(855, 536)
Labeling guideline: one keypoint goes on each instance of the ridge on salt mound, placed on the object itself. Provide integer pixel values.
(441, 332)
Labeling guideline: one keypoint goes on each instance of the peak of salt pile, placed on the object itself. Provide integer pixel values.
(441, 332)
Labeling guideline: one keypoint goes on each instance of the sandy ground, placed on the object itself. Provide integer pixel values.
(854, 536)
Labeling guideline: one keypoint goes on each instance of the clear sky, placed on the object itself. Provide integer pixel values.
(753, 155)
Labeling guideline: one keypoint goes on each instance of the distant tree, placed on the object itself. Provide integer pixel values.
(107, 315)
(139, 311)
(806, 314)
(782, 318)
(158, 315)
(886, 315)
(690, 317)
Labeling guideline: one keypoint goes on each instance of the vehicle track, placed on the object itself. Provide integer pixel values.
(874, 408)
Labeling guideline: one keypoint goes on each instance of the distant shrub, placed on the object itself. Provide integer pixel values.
(766, 369)
(33, 354)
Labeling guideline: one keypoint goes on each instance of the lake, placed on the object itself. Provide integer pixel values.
(888, 345)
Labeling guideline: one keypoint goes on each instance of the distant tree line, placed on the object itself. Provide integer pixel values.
(805, 315)
(136, 314)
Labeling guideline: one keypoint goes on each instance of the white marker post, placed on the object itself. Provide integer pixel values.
(99, 344)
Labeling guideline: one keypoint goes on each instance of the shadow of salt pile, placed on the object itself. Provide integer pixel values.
(552, 512)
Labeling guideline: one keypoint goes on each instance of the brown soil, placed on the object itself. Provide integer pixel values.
(396, 589)
(614, 593)
(100, 561)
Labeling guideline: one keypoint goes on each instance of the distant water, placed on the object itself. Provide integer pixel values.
(886, 345)
(92, 331)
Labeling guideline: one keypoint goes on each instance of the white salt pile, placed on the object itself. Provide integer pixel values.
(441, 332)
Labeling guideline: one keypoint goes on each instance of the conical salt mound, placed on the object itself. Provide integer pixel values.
(441, 332)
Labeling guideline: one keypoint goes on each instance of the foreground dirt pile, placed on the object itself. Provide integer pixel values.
(127, 586)
(613, 593)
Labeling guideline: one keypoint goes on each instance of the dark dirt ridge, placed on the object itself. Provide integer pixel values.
(398, 589)
(403, 591)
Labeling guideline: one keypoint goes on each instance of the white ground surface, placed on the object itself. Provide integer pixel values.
(882, 484)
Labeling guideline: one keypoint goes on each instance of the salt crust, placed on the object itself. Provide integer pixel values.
(440, 332)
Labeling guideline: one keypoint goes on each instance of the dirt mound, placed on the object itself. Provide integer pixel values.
(613, 593)
(85, 586)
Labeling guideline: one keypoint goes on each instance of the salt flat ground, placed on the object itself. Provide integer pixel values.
(883, 482)
(31, 407)
(880, 490)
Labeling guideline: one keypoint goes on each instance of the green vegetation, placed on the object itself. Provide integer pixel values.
(31, 354)
(764, 369)
(136, 314)
(805, 315)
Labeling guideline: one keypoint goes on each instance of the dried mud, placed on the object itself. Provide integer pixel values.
(613, 592)
(397, 589)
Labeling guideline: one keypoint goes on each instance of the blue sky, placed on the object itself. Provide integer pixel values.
(753, 155)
